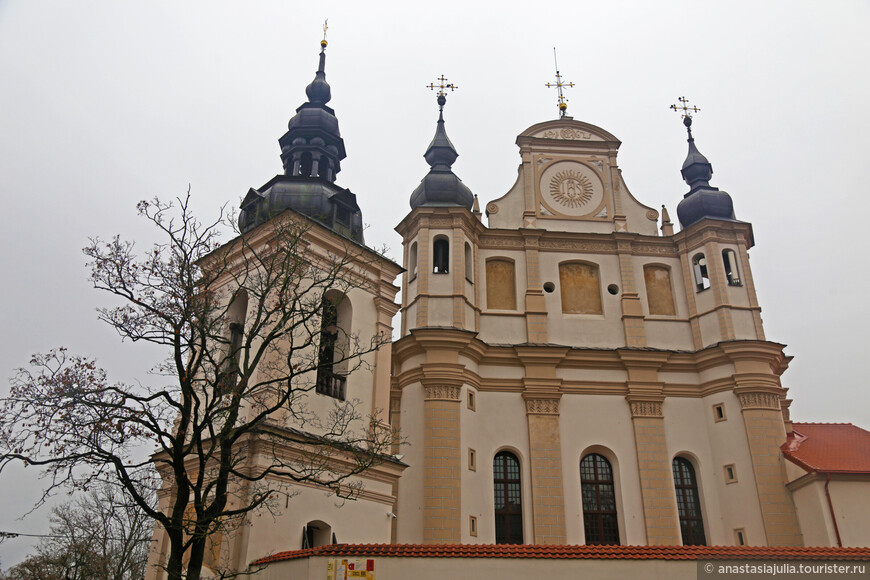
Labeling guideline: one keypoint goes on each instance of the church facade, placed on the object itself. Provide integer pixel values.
(569, 368)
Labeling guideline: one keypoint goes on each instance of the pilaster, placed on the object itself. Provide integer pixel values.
(632, 310)
(645, 398)
(757, 387)
(545, 449)
(442, 501)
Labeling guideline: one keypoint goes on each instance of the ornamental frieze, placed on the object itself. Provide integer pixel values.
(759, 401)
(578, 245)
(442, 393)
(501, 242)
(542, 406)
(655, 249)
(646, 409)
(568, 133)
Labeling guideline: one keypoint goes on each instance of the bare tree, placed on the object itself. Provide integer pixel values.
(99, 536)
(233, 377)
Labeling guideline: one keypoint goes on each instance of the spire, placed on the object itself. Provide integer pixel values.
(703, 200)
(441, 187)
(318, 91)
(441, 151)
(312, 146)
(562, 102)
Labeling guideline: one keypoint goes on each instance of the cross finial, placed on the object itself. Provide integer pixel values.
(687, 112)
(562, 101)
(441, 86)
(325, 27)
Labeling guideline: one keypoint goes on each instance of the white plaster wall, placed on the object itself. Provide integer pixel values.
(710, 333)
(593, 375)
(498, 424)
(357, 521)
(440, 311)
(584, 330)
(600, 424)
(744, 325)
(510, 206)
(409, 524)
(504, 329)
(814, 516)
(851, 501)
(668, 334)
(692, 432)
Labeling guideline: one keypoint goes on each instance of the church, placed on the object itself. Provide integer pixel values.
(576, 383)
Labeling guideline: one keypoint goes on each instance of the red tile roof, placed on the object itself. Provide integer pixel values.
(571, 552)
(829, 447)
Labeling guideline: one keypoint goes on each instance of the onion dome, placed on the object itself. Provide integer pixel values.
(703, 200)
(440, 187)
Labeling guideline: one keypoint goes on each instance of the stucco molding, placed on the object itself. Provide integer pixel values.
(759, 401)
(543, 406)
(442, 393)
(646, 409)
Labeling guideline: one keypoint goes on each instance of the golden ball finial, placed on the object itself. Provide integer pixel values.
(562, 106)
(323, 43)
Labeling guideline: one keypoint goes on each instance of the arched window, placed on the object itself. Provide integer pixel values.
(412, 261)
(699, 266)
(508, 499)
(729, 258)
(688, 503)
(236, 314)
(659, 292)
(469, 266)
(581, 289)
(501, 286)
(305, 165)
(332, 358)
(599, 500)
(441, 255)
(317, 533)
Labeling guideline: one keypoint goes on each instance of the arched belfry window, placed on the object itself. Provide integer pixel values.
(599, 500)
(699, 267)
(441, 255)
(508, 498)
(332, 356)
(236, 314)
(469, 265)
(732, 272)
(412, 261)
(688, 503)
(305, 165)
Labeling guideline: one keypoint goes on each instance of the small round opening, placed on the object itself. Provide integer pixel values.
(613, 289)
(549, 287)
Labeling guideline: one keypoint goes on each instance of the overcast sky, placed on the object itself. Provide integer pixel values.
(104, 103)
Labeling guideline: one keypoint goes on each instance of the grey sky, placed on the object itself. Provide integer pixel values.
(105, 103)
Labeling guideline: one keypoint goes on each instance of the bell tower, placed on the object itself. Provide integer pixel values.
(440, 239)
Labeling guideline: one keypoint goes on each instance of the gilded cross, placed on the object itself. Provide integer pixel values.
(684, 107)
(442, 84)
(562, 101)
